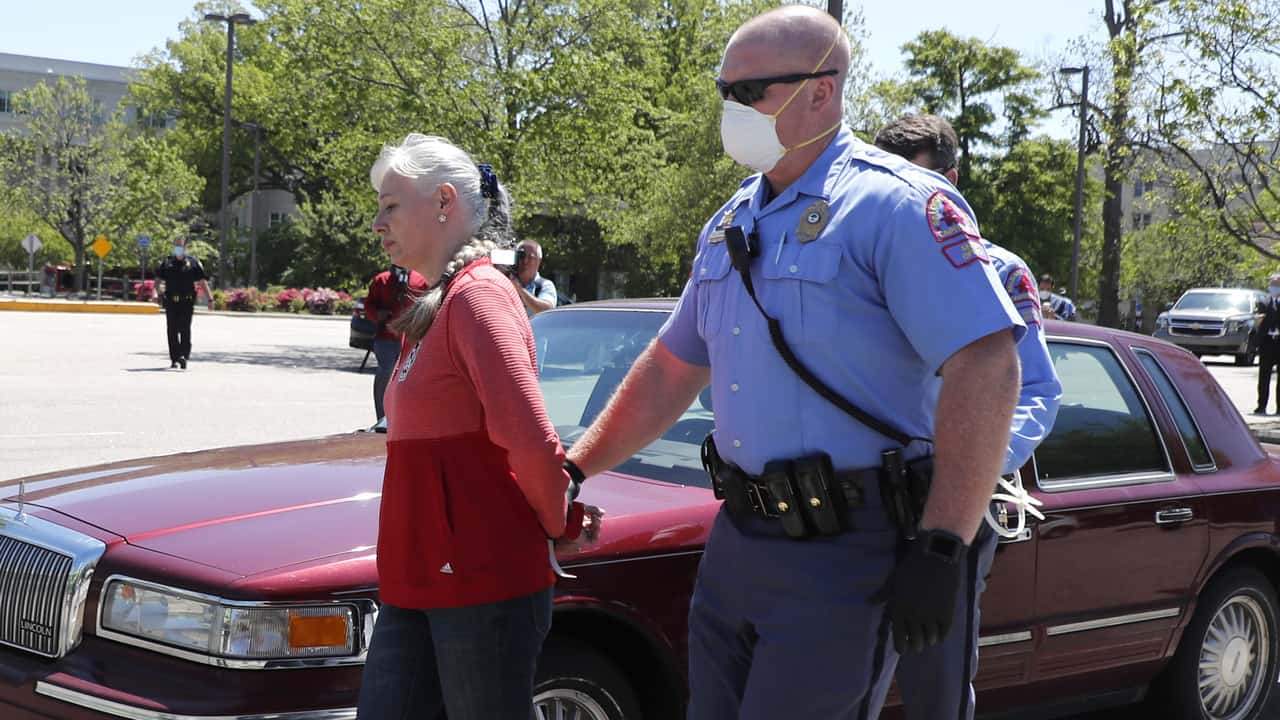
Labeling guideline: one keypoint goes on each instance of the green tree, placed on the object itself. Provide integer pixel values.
(960, 79)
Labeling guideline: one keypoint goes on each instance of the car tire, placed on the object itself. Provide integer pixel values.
(578, 683)
(1233, 635)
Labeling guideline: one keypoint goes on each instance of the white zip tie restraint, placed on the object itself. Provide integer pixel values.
(1016, 495)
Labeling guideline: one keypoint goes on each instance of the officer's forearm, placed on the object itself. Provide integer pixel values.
(653, 395)
(975, 408)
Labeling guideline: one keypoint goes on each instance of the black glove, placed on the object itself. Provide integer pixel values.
(922, 589)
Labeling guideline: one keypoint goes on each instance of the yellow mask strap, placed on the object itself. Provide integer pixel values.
(815, 69)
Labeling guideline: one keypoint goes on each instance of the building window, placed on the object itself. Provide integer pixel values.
(1139, 188)
(1146, 220)
(6, 101)
(276, 218)
(1137, 221)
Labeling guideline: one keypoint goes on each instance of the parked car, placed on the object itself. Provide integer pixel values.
(1213, 321)
(240, 583)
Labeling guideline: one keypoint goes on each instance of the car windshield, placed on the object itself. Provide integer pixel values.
(582, 356)
(1216, 302)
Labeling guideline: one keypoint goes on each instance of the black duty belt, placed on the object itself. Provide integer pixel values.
(764, 502)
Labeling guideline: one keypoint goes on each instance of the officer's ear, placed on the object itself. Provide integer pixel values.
(825, 91)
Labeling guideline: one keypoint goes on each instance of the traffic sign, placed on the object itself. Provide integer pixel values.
(31, 244)
(143, 241)
(101, 246)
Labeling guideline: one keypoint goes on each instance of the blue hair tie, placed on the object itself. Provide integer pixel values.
(488, 182)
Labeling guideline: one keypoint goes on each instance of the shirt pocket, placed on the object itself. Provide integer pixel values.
(711, 275)
(809, 304)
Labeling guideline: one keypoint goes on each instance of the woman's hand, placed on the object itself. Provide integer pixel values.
(592, 518)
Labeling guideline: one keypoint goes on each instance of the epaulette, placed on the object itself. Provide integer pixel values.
(901, 168)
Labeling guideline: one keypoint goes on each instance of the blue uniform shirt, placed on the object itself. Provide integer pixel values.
(877, 274)
(1041, 391)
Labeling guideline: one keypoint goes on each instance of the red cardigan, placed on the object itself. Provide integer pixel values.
(474, 483)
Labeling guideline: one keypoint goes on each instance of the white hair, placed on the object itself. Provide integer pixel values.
(430, 162)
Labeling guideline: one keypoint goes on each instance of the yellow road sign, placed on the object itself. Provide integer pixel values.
(101, 246)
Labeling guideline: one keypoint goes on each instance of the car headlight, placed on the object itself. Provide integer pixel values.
(1238, 324)
(209, 626)
(1162, 321)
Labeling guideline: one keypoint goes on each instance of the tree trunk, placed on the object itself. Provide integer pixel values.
(1112, 229)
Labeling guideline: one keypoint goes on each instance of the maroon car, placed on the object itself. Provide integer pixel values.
(240, 583)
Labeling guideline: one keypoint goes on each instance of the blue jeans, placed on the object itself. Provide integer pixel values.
(387, 352)
(476, 662)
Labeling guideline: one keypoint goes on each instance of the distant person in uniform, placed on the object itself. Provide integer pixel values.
(1268, 340)
(178, 276)
(1063, 308)
(390, 292)
(847, 316)
(936, 684)
(536, 292)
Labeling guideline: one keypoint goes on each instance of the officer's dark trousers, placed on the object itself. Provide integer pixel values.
(937, 684)
(1268, 358)
(177, 317)
(780, 628)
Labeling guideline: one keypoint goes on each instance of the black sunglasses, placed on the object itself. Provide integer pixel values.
(750, 92)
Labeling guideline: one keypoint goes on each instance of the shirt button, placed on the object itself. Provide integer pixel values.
(734, 387)
(737, 443)
(794, 268)
(737, 331)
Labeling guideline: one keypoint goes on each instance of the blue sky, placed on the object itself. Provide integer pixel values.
(115, 33)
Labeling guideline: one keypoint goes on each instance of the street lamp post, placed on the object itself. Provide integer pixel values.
(835, 8)
(1084, 114)
(231, 21)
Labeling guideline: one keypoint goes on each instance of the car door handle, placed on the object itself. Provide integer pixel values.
(1173, 516)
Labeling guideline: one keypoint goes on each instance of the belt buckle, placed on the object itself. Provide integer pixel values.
(755, 492)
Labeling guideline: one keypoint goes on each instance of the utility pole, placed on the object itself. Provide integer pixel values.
(231, 22)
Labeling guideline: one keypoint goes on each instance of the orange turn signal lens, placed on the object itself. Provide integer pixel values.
(317, 631)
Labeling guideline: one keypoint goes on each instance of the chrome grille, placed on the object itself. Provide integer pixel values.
(45, 570)
(33, 590)
(1196, 328)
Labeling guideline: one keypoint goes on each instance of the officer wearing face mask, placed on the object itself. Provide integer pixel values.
(1268, 341)
(178, 276)
(822, 311)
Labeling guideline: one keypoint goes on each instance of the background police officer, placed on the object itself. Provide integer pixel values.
(862, 259)
(1267, 334)
(937, 683)
(178, 276)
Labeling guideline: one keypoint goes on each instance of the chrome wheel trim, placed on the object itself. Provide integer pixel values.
(1233, 654)
(567, 704)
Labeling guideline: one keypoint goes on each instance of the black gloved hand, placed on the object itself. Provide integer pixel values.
(922, 589)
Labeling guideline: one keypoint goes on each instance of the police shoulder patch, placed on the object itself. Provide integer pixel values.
(1022, 290)
(965, 252)
(947, 220)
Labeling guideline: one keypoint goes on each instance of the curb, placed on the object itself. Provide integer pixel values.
(83, 306)
(1267, 432)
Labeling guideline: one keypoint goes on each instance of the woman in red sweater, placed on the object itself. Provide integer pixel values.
(475, 482)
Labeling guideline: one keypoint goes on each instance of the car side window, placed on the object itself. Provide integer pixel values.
(1103, 428)
(1197, 449)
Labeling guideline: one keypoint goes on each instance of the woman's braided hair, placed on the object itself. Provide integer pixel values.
(434, 161)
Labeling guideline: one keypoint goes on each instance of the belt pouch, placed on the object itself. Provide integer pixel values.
(822, 500)
(777, 477)
(919, 480)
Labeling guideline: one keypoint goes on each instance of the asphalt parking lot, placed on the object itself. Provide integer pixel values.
(77, 389)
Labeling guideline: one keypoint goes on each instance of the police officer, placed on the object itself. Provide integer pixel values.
(178, 276)
(937, 683)
(1267, 334)
(860, 259)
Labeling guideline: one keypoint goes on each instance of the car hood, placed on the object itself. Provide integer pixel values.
(255, 509)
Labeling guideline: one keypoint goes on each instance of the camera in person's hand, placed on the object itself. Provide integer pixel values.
(507, 260)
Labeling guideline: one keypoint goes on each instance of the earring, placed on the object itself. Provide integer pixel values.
(442, 217)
